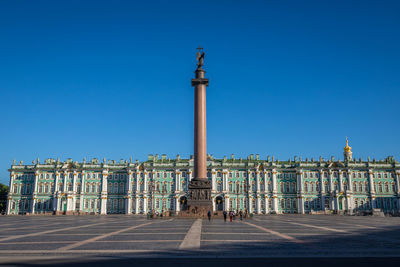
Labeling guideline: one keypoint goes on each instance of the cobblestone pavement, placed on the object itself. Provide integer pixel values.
(93, 238)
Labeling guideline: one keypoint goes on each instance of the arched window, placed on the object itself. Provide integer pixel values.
(46, 188)
(40, 188)
(312, 186)
(354, 187)
(380, 187)
(386, 187)
(288, 203)
(287, 187)
(70, 188)
(115, 190)
(121, 188)
(393, 187)
(281, 187)
(360, 187)
(306, 187)
(282, 204)
(317, 186)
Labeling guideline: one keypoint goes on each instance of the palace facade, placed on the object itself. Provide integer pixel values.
(160, 185)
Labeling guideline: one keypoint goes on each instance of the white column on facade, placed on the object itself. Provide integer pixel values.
(137, 182)
(66, 174)
(145, 200)
(340, 182)
(137, 205)
(33, 204)
(82, 191)
(225, 180)
(10, 188)
(69, 203)
(371, 181)
(57, 180)
(179, 177)
(274, 182)
(349, 193)
(322, 189)
(190, 175)
(145, 173)
(349, 181)
(213, 204)
(74, 181)
(258, 181)
(227, 203)
(275, 203)
(372, 188)
(128, 197)
(177, 204)
(330, 182)
(213, 180)
(275, 191)
(266, 205)
(258, 204)
(177, 182)
(104, 196)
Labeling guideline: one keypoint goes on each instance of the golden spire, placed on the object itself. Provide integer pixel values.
(347, 148)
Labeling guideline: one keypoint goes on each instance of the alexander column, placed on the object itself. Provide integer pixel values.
(199, 200)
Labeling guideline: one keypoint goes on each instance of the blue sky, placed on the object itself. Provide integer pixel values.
(112, 78)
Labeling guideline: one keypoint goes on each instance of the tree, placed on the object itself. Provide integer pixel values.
(3, 197)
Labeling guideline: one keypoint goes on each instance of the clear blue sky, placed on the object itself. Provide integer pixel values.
(112, 78)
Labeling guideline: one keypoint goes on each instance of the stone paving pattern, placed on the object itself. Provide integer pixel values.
(261, 236)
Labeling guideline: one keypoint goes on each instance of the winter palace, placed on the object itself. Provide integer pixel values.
(160, 185)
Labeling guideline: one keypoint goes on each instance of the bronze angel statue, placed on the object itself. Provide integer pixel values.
(200, 58)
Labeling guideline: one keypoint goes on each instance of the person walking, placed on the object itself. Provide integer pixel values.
(231, 215)
(241, 215)
(209, 215)
(224, 213)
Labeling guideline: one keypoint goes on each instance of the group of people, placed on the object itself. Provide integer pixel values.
(232, 215)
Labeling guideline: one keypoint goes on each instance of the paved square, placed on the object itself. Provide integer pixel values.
(72, 238)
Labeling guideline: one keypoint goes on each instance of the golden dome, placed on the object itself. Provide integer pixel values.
(347, 148)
